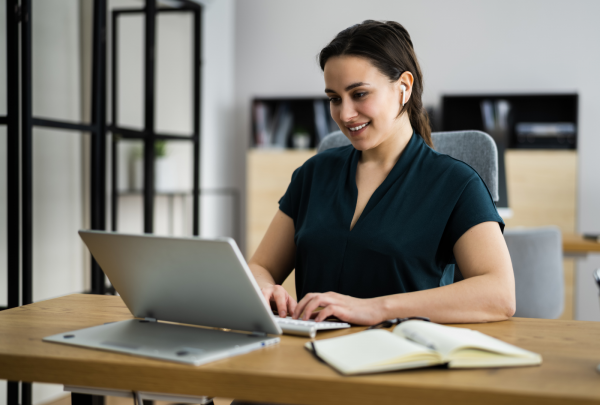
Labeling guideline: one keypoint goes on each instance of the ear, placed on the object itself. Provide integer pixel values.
(406, 86)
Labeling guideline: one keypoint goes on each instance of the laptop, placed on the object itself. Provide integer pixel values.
(194, 300)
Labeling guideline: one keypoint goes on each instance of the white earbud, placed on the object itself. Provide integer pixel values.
(403, 87)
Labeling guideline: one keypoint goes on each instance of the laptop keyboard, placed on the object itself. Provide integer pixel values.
(307, 328)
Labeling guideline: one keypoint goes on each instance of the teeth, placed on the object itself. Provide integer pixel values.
(359, 127)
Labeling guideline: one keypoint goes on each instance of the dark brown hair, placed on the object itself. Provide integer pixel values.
(389, 47)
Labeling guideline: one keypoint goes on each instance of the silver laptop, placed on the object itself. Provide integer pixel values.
(191, 281)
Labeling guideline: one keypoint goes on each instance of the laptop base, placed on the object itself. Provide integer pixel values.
(164, 341)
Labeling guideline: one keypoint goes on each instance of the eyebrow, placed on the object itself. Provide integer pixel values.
(353, 85)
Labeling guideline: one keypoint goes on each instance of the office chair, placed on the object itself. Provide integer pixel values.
(537, 259)
(475, 148)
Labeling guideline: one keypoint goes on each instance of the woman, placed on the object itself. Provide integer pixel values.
(375, 229)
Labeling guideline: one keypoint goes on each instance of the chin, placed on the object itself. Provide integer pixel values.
(362, 144)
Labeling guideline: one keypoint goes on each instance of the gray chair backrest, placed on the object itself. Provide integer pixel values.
(536, 255)
(475, 148)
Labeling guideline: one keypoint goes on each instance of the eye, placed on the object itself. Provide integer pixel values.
(334, 100)
(360, 94)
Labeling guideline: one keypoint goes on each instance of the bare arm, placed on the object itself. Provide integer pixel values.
(487, 293)
(274, 261)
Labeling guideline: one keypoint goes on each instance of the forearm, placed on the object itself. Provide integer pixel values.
(263, 277)
(483, 298)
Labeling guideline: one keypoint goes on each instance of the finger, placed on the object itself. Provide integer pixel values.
(326, 313)
(291, 305)
(301, 305)
(280, 296)
(319, 301)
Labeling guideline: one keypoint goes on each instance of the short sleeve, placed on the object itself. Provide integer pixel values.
(289, 202)
(474, 206)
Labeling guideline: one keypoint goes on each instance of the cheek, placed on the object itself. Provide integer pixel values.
(378, 111)
(386, 111)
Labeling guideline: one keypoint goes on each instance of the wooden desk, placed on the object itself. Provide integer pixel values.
(577, 244)
(288, 373)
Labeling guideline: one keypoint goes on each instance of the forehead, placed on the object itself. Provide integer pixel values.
(342, 71)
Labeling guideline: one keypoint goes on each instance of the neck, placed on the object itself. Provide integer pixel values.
(388, 152)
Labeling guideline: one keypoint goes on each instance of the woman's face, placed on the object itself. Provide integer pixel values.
(364, 103)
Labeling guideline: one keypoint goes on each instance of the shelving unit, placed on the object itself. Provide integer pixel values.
(484, 112)
(20, 121)
(276, 120)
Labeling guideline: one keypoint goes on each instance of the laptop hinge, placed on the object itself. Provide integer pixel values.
(261, 334)
(150, 319)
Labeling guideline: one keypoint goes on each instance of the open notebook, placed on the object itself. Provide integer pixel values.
(415, 344)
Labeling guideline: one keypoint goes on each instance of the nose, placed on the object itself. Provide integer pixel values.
(347, 111)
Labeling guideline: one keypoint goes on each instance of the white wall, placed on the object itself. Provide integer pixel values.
(221, 166)
(587, 300)
(464, 46)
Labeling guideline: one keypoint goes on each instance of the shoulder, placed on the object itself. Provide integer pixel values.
(327, 160)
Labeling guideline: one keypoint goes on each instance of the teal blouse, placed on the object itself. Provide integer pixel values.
(404, 238)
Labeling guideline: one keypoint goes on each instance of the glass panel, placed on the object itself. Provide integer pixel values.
(57, 214)
(58, 253)
(3, 236)
(130, 185)
(56, 60)
(174, 181)
(130, 60)
(174, 76)
(3, 57)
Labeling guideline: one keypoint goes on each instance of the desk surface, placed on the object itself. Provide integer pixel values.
(573, 243)
(288, 373)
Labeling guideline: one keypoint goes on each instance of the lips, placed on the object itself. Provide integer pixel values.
(358, 127)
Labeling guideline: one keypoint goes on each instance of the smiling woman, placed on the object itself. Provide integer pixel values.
(375, 229)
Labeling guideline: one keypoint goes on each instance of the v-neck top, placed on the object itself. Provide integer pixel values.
(403, 240)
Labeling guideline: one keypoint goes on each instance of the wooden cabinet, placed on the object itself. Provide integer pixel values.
(542, 190)
(269, 174)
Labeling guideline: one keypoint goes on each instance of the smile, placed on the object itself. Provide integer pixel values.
(359, 127)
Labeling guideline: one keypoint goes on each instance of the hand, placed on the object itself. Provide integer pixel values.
(348, 309)
(278, 295)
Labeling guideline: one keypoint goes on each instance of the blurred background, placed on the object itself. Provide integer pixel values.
(525, 71)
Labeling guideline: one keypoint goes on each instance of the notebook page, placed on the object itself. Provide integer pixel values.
(361, 351)
(447, 339)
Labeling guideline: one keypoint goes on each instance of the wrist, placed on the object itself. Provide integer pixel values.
(265, 284)
(384, 308)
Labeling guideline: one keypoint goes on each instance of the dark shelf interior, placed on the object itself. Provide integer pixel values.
(550, 113)
(303, 119)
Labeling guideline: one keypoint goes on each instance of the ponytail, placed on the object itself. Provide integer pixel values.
(419, 119)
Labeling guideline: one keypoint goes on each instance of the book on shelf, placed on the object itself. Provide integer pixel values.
(416, 344)
(545, 129)
(321, 123)
(282, 125)
(262, 127)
